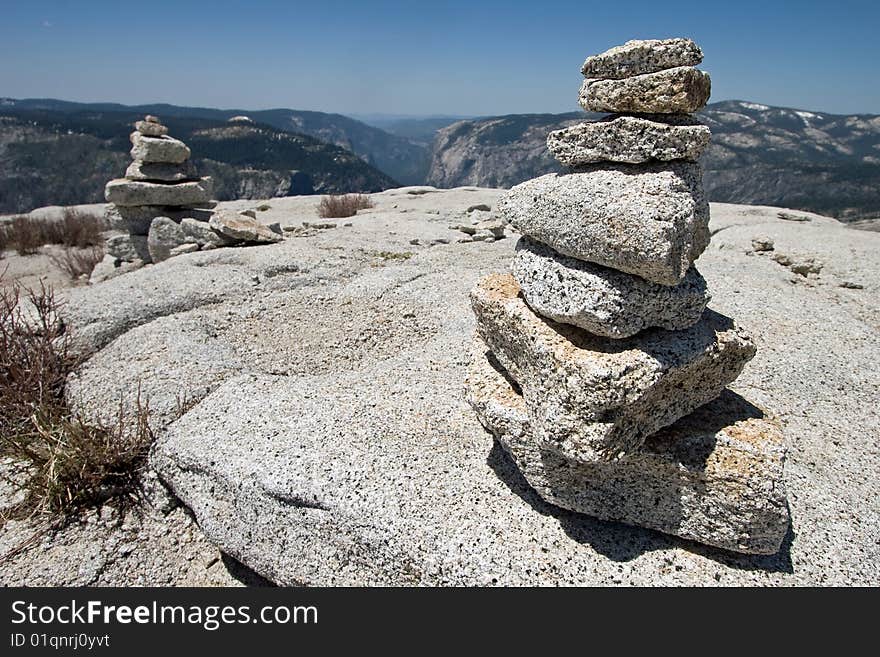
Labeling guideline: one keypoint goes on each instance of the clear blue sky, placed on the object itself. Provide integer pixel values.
(462, 58)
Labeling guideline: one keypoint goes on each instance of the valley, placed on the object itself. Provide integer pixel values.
(763, 155)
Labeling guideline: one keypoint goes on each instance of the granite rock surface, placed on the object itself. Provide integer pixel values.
(160, 171)
(642, 56)
(341, 329)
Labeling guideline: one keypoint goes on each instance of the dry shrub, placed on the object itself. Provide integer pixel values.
(25, 235)
(35, 357)
(337, 206)
(76, 262)
(74, 229)
(67, 463)
(63, 462)
(80, 230)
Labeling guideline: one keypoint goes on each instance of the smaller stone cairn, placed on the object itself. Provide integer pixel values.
(163, 208)
(596, 363)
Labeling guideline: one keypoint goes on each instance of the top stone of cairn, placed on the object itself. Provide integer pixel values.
(641, 57)
(151, 128)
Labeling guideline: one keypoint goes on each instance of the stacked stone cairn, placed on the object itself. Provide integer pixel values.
(596, 364)
(163, 208)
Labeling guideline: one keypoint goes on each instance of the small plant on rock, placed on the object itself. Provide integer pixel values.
(62, 459)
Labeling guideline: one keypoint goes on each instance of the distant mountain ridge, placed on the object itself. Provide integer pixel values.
(394, 155)
(759, 154)
(52, 157)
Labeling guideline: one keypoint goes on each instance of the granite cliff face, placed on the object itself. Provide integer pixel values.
(764, 155)
(498, 152)
(824, 163)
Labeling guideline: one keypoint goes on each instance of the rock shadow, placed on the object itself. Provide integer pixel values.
(614, 540)
(690, 442)
(242, 573)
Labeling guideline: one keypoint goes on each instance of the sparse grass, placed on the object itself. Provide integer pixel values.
(75, 229)
(338, 206)
(77, 262)
(394, 255)
(382, 257)
(63, 461)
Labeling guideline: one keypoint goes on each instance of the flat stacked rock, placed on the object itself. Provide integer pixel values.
(597, 365)
(650, 220)
(604, 301)
(165, 209)
(684, 480)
